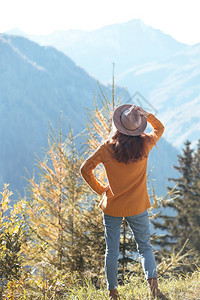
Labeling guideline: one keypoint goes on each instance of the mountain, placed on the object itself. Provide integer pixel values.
(164, 71)
(128, 44)
(173, 85)
(36, 84)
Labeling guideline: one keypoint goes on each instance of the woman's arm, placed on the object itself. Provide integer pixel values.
(142, 111)
(87, 171)
(158, 127)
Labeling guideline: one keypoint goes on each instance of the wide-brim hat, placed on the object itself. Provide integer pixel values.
(128, 120)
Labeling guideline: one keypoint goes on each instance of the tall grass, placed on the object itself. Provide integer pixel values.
(180, 287)
(175, 287)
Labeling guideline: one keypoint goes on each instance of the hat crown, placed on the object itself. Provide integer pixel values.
(128, 120)
(131, 119)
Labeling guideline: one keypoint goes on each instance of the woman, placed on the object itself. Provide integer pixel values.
(124, 157)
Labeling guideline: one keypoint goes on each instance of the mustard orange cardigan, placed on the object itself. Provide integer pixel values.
(128, 182)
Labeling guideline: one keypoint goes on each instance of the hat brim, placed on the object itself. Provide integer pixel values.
(117, 121)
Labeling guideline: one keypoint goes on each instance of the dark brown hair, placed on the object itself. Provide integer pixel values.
(128, 148)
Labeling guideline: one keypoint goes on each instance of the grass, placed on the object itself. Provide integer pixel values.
(184, 288)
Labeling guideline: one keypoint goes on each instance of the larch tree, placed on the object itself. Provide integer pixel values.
(12, 237)
(54, 208)
(99, 129)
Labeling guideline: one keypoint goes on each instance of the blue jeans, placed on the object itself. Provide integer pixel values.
(140, 227)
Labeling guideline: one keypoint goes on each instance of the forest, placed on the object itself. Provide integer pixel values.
(52, 238)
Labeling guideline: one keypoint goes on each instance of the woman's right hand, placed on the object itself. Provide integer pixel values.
(107, 188)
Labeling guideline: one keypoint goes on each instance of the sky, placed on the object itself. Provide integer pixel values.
(178, 18)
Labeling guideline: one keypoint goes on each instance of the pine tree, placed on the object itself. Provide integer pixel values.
(195, 209)
(183, 224)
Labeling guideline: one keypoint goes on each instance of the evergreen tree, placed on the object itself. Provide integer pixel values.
(183, 224)
(194, 217)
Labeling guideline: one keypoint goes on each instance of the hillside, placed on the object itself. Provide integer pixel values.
(128, 44)
(163, 70)
(36, 84)
(173, 85)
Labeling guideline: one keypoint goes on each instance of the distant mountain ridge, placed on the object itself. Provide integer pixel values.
(173, 85)
(36, 84)
(125, 44)
(164, 71)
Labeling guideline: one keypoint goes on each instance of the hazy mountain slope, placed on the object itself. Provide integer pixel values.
(173, 85)
(163, 70)
(127, 44)
(36, 83)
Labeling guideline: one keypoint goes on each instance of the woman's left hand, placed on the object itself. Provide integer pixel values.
(142, 111)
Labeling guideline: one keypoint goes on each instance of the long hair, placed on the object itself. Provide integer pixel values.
(128, 148)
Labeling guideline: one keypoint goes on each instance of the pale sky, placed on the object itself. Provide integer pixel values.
(179, 18)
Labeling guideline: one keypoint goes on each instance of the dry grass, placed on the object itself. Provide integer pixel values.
(184, 288)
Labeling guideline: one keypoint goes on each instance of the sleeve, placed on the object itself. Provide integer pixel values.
(157, 132)
(87, 171)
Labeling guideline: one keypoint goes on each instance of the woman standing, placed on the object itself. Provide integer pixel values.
(125, 157)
